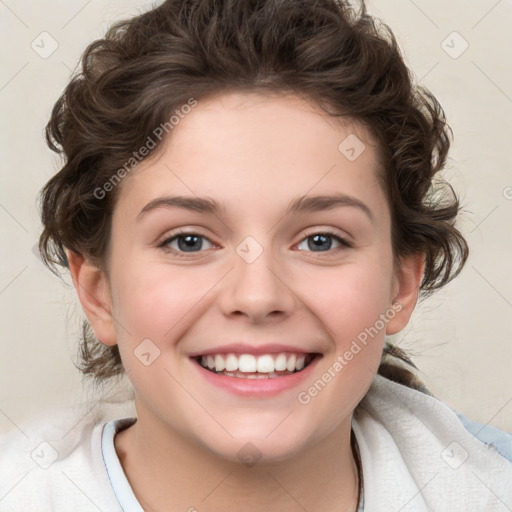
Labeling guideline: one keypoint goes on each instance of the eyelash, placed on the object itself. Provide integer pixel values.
(169, 239)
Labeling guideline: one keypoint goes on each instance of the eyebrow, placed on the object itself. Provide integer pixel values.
(304, 204)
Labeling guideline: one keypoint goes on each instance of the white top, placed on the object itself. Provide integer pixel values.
(416, 453)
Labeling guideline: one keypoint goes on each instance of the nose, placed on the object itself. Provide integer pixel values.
(260, 290)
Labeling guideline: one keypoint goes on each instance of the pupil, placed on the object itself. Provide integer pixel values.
(185, 243)
(318, 240)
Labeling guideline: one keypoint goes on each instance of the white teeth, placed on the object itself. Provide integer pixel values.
(219, 363)
(280, 363)
(247, 363)
(266, 364)
(231, 363)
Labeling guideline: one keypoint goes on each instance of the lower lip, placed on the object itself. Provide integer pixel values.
(257, 388)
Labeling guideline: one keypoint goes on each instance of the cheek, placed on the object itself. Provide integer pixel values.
(349, 299)
(351, 303)
(154, 300)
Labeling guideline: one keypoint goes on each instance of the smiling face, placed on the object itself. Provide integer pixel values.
(280, 257)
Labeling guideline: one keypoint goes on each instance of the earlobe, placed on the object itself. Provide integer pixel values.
(93, 289)
(407, 281)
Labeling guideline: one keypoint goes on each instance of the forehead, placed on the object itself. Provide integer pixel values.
(247, 147)
(262, 126)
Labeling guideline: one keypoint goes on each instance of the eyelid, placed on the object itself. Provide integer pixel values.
(181, 231)
(345, 244)
(346, 240)
(163, 244)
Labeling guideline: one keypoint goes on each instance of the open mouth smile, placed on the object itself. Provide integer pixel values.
(255, 371)
(249, 366)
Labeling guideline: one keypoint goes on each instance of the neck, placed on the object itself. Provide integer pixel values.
(174, 474)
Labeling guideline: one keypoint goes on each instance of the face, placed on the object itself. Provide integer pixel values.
(286, 297)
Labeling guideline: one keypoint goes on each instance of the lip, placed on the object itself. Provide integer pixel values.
(244, 348)
(257, 388)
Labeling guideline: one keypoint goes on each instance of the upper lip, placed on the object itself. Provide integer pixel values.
(245, 348)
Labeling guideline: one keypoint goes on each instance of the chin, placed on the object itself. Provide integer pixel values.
(259, 448)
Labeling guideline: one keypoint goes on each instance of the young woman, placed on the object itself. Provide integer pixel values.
(248, 206)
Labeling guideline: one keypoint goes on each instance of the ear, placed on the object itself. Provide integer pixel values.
(93, 289)
(406, 285)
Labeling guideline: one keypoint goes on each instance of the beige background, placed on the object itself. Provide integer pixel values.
(461, 338)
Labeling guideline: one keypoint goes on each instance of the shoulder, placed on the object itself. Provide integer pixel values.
(389, 397)
(54, 462)
(489, 435)
(441, 458)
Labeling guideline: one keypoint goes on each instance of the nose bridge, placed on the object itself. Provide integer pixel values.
(256, 287)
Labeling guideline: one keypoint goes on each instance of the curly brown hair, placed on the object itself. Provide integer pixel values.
(145, 68)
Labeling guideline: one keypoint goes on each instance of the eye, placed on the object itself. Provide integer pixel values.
(322, 242)
(188, 242)
(184, 242)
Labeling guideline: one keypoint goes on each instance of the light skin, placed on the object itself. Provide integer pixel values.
(254, 155)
